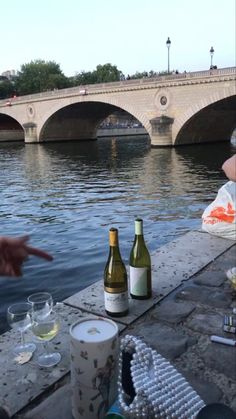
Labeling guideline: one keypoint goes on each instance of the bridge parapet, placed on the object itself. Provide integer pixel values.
(126, 85)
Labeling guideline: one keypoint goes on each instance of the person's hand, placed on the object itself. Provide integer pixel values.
(13, 253)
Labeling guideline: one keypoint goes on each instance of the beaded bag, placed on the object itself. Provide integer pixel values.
(150, 387)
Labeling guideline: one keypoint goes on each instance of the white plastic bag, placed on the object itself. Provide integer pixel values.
(219, 218)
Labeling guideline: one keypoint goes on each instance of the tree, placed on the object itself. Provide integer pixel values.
(139, 75)
(38, 76)
(107, 72)
(143, 74)
(85, 77)
(7, 88)
(103, 74)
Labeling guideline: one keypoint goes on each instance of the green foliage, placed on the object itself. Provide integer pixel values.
(107, 73)
(83, 78)
(103, 74)
(7, 88)
(38, 76)
(144, 74)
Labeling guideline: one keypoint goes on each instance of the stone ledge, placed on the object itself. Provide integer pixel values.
(171, 265)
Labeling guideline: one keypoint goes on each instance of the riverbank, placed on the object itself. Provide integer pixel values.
(191, 296)
(18, 135)
(121, 132)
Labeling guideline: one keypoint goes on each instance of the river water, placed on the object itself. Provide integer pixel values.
(68, 195)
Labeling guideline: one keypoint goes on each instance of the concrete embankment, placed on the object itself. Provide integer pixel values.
(18, 135)
(11, 135)
(121, 132)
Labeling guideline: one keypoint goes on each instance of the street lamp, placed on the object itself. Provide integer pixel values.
(168, 42)
(211, 54)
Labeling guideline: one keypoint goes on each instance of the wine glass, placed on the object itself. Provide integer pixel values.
(45, 328)
(41, 303)
(19, 318)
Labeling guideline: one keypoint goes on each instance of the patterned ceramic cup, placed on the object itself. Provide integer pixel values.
(94, 348)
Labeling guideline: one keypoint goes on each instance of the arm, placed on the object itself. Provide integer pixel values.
(229, 167)
(13, 253)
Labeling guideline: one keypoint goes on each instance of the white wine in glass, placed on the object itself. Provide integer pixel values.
(45, 329)
(19, 318)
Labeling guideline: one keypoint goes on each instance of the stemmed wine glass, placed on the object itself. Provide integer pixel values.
(45, 328)
(41, 302)
(45, 325)
(19, 318)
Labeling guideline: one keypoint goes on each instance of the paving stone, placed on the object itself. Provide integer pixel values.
(209, 392)
(56, 406)
(211, 278)
(164, 339)
(173, 312)
(225, 261)
(207, 323)
(221, 358)
(205, 295)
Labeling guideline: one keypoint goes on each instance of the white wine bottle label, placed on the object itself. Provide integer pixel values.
(138, 281)
(116, 303)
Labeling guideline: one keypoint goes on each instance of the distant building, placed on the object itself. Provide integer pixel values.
(120, 119)
(9, 74)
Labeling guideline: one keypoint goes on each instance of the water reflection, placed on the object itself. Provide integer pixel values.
(68, 195)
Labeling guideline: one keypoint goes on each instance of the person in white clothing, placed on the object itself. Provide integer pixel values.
(219, 218)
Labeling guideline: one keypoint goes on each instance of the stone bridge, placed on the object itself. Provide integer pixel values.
(176, 109)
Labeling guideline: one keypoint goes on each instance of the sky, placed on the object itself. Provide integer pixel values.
(130, 34)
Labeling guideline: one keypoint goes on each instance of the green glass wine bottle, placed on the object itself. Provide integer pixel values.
(115, 280)
(140, 266)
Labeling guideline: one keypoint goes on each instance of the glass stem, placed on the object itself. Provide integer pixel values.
(45, 345)
(22, 338)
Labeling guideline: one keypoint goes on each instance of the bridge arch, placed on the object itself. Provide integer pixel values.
(80, 118)
(10, 128)
(210, 119)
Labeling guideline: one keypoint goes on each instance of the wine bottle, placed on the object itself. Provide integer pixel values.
(114, 412)
(115, 279)
(140, 266)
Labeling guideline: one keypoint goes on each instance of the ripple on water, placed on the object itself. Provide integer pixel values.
(68, 195)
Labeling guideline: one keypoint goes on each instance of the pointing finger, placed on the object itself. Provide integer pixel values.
(39, 253)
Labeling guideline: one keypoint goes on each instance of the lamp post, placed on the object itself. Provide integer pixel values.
(211, 54)
(168, 42)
